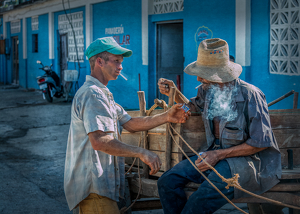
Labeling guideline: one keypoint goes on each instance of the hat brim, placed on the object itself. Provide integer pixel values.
(120, 51)
(220, 74)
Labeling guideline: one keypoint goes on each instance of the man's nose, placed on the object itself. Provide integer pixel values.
(120, 67)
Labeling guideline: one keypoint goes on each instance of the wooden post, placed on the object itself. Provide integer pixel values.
(168, 152)
(144, 140)
(295, 103)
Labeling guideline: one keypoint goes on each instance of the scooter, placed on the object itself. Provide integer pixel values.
(49, 83)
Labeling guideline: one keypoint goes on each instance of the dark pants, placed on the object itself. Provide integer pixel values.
(205, 200)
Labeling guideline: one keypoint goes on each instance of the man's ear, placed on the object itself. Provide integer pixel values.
(99, 62)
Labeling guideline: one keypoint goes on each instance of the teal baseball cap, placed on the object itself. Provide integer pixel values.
(106, 44)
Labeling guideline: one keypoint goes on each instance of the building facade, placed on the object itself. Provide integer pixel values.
(263, 36)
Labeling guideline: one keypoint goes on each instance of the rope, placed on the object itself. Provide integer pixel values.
(231, 181)
(224, 196)
(148, 112)
(125, 209)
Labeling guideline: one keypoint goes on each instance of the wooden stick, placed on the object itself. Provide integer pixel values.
(168, 151)
(281, 98)
(184, 99)
(295, 103)
(144, 139)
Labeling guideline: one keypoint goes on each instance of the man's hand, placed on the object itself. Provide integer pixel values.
(210, 157)
(177, 115)
(164, 86)
(152, 160)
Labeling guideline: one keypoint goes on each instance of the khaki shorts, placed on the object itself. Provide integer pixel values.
(96, 204)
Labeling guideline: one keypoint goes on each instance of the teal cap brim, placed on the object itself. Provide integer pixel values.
(108, 44)
(120, 51)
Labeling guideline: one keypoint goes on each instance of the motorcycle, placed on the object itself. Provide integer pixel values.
(49, 83)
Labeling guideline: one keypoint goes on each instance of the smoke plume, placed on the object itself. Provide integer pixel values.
(221, 102)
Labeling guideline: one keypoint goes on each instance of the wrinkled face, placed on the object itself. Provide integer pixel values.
(112, 68)
(205, 83)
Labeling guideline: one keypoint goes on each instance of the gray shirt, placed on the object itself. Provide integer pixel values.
(87, 170)
(258, 172)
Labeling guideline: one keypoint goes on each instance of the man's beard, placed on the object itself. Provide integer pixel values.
(221, 101)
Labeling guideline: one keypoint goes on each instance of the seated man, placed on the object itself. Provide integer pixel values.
(238, 133)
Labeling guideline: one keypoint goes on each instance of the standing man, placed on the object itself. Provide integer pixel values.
(239, 137)
(94, 169)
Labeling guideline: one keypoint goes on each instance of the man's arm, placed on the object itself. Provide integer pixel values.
(106, 143)
(214, 156)
(173, 115)
(179, 97)
(164, 86)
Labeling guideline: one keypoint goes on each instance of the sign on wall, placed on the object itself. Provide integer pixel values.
(15, 27)
(64, 27)
(201, 34)
(285, 37)
(118, 34)
(34, 23)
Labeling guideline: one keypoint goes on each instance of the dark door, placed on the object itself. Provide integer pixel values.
(169, 51)
(63, 56)
(15, 60)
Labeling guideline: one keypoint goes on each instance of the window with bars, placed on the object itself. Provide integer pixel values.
(167, 6)
(34, 23)
(285, 37)
(35, 43)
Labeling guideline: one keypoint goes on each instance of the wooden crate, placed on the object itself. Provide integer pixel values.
(285, 125)
(192, 131)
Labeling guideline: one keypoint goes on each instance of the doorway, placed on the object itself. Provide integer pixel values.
(15, 60)
(169, 58)
(63, 56)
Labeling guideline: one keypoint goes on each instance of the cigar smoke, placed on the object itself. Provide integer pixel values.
(222, 102)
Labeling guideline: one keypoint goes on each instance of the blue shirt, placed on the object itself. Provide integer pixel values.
(87, 170)
(258, 172)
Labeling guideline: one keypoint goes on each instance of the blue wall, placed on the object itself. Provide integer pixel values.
(272, 85)
(9, 66)
(71, 65)
(114, 14)
(196, 14)
(43, 50)
(215, 15)
(219, 17)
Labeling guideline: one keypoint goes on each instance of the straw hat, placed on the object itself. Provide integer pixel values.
(213, 62)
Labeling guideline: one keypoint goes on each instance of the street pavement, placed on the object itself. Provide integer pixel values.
(33, 140)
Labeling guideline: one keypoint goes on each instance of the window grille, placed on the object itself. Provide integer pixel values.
(34, 23)
(64, 27)
(285, 37)
(167, 6)
(15, 27)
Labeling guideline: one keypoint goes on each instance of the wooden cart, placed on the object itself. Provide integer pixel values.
(285, 125)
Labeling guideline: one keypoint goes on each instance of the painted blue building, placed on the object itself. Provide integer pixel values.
(263, 36)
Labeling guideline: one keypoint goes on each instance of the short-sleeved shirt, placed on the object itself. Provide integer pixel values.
(88, 170)
(258, 172)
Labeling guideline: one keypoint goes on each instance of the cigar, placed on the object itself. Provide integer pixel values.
(198, 86)
(123, 76)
